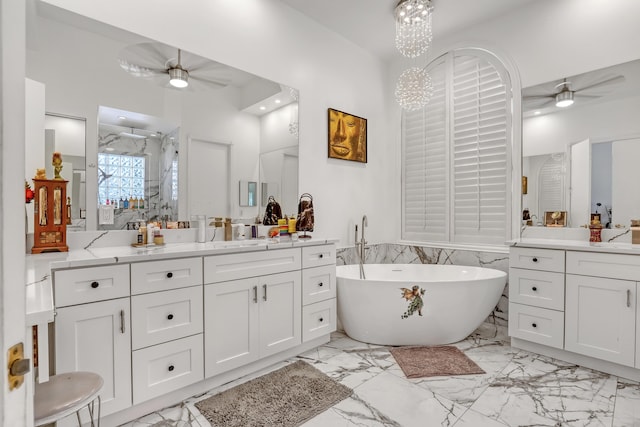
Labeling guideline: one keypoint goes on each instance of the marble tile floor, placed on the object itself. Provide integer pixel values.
(518, 389)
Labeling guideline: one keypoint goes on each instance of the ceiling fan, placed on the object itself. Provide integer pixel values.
(170, 66)
(564, 93)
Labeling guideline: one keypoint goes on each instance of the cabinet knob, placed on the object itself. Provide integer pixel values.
(321, 319)
(170, 316)
(169, 275)
(95, 284)
(321, 256)
(534, 288)
(171, 368)
(534, 259)
(534, 325)
(320, 284)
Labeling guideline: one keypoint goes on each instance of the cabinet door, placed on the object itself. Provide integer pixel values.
(230, 319)
(95, 337)
(600, 318)
(280, 312)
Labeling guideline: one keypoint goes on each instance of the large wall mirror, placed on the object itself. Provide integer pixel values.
(192, 145)
(582, 158)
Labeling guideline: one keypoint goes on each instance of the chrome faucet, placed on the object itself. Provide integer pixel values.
(361, 245)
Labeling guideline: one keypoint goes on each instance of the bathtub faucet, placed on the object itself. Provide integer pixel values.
(361, 245)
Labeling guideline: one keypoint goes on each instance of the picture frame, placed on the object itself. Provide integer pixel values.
(347, 136)
(555, 219)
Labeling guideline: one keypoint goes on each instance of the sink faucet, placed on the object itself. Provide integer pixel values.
(361, 245)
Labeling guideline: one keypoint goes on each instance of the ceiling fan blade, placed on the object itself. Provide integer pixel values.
(538, 102)
(603, 83)
(140, 71)
(533, 97)
(209, 82)
(585, 96)
(145, 55)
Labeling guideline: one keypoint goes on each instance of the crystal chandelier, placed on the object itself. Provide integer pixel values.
(414, 89)
(413, 38)
(413, 27)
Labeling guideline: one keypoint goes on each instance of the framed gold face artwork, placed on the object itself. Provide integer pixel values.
(347, 136)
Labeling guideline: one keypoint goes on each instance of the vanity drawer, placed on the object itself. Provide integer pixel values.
(85, 285)
(537, 259)
(318, 319)
(165, 316)
(167, 274)
(221, 268)
(535, 324)
(318, 284)
(166, 367)
(314, 256)
(538, 288)
(614, 266)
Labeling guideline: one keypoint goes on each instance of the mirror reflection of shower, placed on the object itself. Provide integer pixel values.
(137, 169)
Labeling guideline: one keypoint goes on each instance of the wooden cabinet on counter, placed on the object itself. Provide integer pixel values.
(160, 331)
(577, 306)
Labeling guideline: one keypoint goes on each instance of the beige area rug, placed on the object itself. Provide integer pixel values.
(420, 362)
(286, 397)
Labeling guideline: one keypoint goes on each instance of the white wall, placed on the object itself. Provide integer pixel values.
(269, 39)
(552, 133)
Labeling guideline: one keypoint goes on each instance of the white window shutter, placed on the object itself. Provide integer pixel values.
(456, 156)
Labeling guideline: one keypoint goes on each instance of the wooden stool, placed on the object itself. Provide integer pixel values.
(65, 394)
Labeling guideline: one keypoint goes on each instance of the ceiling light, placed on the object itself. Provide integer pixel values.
(414, 89)
(277, 101)
(262, 107)
(178, 77)
(122, 117)
(537, 113)
(413, 27)
(564, 99)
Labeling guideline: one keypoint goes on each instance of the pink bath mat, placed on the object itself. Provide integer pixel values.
(422, 361)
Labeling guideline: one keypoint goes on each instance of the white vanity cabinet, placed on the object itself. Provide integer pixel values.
(161, 330)
(536, 295)
(253, 316)
(584, 305)
(92, 329)
(318, 291)
(166, 326)
(601, 306)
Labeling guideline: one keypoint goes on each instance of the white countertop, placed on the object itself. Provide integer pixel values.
(40, 304)
(578, 245)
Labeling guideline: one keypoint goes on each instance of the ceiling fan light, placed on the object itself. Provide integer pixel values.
(564, 99)
(178, 77)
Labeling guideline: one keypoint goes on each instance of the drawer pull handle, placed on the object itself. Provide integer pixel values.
(628, 298)
(122, 321)
(264, 292)
(169, 275)
(171, 368)
(255, 294)
(534, 289)
(320, 284)
(321, 319)
(95, 284)
(534, 259)
(534, 325)
(170, 317)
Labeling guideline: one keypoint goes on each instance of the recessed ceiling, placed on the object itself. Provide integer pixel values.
(370, 23)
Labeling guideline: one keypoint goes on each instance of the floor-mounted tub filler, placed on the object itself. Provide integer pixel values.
(416, 304)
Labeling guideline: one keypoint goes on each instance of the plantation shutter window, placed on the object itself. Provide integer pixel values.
(456, 154)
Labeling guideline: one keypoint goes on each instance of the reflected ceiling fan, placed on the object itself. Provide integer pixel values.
(170, 66)
(566, 92)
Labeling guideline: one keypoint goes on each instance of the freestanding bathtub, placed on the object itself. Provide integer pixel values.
(416, 304)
